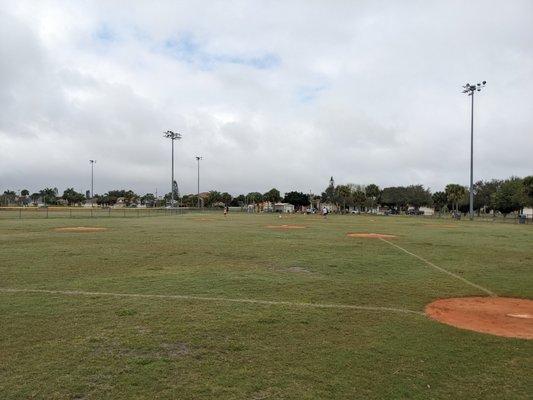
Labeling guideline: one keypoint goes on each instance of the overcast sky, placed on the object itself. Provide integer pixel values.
(272, 94)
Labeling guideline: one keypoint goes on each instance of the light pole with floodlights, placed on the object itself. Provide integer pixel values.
(92, 180)
(172, 136)
(471, 89)
(198, 158)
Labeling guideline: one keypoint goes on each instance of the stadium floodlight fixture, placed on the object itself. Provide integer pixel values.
(471, 89)
(198, 158)
(92, 162)
(172, 136)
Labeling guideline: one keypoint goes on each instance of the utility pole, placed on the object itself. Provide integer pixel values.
(471, 89)
(198, 158)
(92, 180)
(172, 136)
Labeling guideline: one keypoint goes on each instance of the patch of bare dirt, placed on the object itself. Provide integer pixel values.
(286, 226)
(173, 350)
(371, 235)
(500, 316)
(80, 229)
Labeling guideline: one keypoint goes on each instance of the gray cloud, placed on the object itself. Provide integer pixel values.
(271, 94)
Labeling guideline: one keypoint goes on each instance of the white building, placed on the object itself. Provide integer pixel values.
(283, 208)
(427, 210)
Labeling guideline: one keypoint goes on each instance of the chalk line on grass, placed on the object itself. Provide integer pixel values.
(213, 299)
(490, 293)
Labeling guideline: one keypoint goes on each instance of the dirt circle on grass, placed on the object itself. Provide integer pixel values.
(80, 229)
(500, 316)
(286, 226)
(371, 235)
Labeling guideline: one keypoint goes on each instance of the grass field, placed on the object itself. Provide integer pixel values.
(84, 342)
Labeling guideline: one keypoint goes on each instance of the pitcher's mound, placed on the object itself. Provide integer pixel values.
(370, 235)
(80, 229)
(500, 316)
(286, 226)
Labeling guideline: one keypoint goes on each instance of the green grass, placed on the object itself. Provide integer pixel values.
(56, 346)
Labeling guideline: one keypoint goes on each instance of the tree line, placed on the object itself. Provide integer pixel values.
(505, 196)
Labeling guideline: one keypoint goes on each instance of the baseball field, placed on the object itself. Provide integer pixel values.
(202, 306)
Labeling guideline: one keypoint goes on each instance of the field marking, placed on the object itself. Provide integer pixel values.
(213, 299)
(490, 293)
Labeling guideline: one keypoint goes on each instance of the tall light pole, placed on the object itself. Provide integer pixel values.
(471, 89)
(172, 136)
(198, 158)
(92, 180)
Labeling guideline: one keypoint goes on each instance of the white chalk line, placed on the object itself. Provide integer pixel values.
(490, 293)
(213, 299)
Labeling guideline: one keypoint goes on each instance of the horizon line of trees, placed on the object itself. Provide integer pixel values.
(505, 196)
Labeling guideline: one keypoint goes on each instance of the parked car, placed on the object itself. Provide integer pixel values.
(414, 212)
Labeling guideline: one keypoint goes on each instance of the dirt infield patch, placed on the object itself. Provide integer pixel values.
(371, 235)
(80, 229)
(286, 226)
(500, 316)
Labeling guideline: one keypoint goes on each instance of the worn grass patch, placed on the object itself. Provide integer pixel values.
(80, 229)
(371, 235)
(286, 226)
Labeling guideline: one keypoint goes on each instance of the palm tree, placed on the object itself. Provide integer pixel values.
(344, 192)
(455, 193)
(372, 192)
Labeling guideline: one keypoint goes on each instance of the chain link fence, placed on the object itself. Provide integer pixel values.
(125, 212)
(90, 212)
